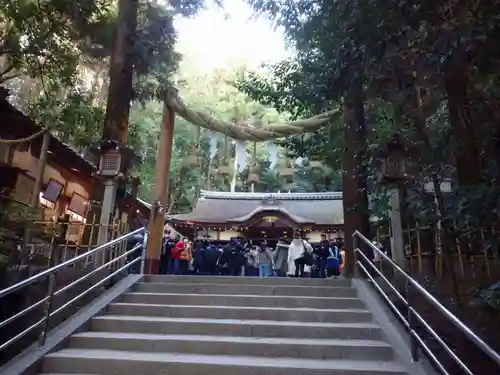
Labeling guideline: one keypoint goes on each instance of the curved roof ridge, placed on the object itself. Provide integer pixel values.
(255, 211)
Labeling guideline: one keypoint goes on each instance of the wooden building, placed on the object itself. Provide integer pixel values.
(68, 179)
(257, 216)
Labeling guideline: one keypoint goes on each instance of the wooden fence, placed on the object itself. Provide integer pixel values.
(475, 253)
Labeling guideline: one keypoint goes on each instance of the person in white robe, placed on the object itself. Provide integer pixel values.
(296, 251)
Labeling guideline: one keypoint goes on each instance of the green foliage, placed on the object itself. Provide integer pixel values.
(488, 298)
(396, 47)
(39, 38)
(74, 118)
(305, 178)
(57, 93)
(184, 179)
(214, 93)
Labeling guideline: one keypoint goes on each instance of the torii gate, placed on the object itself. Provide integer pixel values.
(173, 105)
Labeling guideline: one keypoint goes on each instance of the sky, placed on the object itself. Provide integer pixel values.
(220, 37)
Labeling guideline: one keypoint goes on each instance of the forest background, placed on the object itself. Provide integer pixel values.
(424, 69)
(73, 100)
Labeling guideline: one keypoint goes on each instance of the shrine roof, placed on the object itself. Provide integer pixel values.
(323, 209)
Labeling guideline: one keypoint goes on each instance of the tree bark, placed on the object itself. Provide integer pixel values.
(121, 73)
(119, 96)
(355, 195)
(161, 193)
(468, 162)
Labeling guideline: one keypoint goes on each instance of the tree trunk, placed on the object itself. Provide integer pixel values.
(120, 73)
(445, 231)
(355, 195)
(468, 162)
(119, 95)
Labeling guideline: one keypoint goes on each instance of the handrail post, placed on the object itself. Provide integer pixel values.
(355, 244)
(411, 323)
(48, 308)
(143, 253)
(54, 259)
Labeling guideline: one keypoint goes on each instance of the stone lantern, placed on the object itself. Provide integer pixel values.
(393, 172)
(115, 159)
(393, 163)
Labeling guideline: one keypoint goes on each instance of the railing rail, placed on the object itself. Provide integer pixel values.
(412, 286)
(120, 261)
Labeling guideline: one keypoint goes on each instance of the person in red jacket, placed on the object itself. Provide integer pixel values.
(175, 257)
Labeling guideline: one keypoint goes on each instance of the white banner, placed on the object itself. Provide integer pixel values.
(273, 154)
(241, 155)
(214, 140)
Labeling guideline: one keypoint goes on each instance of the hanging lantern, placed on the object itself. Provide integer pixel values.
(254, 174)
(225, 170)
(253, 178)
(255, 169)
(193, 159)
(287, 173)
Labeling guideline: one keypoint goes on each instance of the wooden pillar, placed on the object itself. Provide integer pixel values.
(157, 217)
(42, 163)
(35, 194)
(354, 192)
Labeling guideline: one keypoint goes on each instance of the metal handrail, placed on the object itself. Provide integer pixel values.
(411, 283)
(49, 271)
(51, 292)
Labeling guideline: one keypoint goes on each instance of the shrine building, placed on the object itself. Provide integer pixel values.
(259, 216)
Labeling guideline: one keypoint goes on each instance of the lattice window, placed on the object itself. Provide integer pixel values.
(110, 162)
(24, 188)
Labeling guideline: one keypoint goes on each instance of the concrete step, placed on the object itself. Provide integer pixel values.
(232, 345)
(275, 281)
(247, 313)
(115, 362)
(235, 327)
(244, 300)
(235, 289)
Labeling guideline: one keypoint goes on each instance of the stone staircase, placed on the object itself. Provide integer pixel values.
(193, 325)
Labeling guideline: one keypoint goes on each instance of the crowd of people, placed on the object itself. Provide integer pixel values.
(297, 258)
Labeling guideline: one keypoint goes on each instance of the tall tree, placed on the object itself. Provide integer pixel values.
(121, 73)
